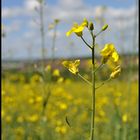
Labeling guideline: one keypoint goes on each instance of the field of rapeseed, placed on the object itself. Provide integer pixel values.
(66, 115)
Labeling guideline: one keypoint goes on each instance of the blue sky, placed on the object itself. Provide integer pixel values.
(114, 3)
(21, 26)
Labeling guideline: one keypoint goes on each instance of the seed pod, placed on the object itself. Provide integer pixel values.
(104, 27)
(91, 26)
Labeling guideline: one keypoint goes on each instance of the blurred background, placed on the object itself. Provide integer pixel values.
(21, 25)
(34, 44)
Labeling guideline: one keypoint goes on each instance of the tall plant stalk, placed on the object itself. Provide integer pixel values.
(93, 89)
(53, 43)
(42, 33)
(108, 53)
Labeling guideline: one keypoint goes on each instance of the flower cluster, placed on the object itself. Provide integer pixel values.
(108, 53)
(72, 66)
(77, 29)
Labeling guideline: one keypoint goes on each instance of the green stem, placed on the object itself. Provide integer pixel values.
(93, 91)
(53, 43)
(103, 83)
(86, 42)
(98, 33)
(84, 79)
(42, 34)
(98, 67)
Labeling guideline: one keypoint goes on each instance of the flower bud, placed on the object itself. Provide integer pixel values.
(104, 27)
(91, 26)
(86, 22)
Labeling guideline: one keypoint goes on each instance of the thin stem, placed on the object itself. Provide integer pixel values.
(98, 33)
(98, 67)
(53, 43)
(103, 83)
(86, 42)
(42, 33)
(84, 79)
(93, 90)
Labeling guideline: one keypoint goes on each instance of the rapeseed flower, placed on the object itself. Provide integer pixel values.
(109, 52)
(56, 73)
(63, 106)
(77, 29)
(72, 66)
(124, 118)
(33, 118)
(116, 72)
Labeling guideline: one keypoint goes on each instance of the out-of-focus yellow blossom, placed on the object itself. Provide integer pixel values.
(63, 106)
(33, 118)
(31, 100)
(19, 131)
(2, 113)
(61, 129)
(69, 97)
(47, 68)
(29, 138)
(124, 118)
(116, 72)
(78, 28)
(3, 92)
(60, 80)
(8, 119)
(117, 101)
(72, 66)
(56, 72)
(36, 78)
(9, 99)
(58, 122)
(39, 99)
(20, 119)
(109, 52)
(101, 113)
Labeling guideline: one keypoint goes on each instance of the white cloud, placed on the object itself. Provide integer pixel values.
(12, 12)
(15, 26)
(31, 4)
(71, 4)
(67, 11)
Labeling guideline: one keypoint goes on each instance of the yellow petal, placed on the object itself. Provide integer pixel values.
(116, 72)
(77, 63)
(115, 56)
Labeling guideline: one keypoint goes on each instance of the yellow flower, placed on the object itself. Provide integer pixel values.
(20, 119)
(63, 106)
(48, 68)
(8, 119)
(56, 72)
(124, 118)
(33, 118)
(19, 131)
(72, 66)
(116, 72)
(78, 28)
(109, 52)
(60, 80)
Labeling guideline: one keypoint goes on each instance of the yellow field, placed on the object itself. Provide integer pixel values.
(26, 114)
